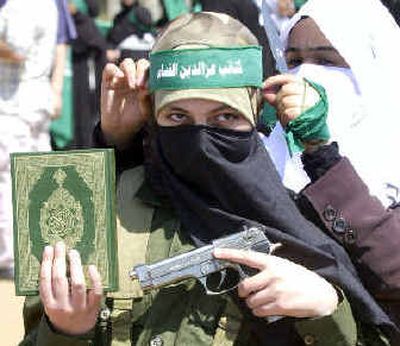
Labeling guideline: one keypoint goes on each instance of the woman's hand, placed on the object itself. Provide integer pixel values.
(70, 307)
(286, 8)
(57, 105)
(281, 288)
(290, 95)
(125, 100)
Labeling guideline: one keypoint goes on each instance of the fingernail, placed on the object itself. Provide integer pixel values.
(217, 252)
(73, 252)
(92, 269)
(47, 251)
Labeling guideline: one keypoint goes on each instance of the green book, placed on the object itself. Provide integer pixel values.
(64, 196)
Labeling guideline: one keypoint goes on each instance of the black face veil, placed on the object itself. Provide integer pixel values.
(221, 180)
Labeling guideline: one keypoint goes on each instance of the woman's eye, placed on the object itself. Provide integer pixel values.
(177, 117)
(325, 62)
(227, 117)
(294, 62)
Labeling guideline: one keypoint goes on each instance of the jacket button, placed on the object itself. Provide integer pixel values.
(350, 236)
(309, 339)
(329, 213)
(157, 341)
(339, 225)
(105, 314)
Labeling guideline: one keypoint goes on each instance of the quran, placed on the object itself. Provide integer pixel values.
(64, 196)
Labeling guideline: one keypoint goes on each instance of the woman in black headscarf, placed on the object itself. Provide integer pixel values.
(88, 59)
(133, 21)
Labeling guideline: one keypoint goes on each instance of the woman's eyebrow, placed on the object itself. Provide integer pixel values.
(221, 108)
(214, 110)
(176, 109)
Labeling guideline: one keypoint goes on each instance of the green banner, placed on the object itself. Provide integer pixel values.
(206, 68)
(62, 129)
(175, 8)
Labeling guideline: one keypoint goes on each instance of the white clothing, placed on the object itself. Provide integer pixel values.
(29, 28)
(367, 37)
(278, 20)
(133, 42)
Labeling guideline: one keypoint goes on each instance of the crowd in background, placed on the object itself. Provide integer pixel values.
(73, 64)
(62, 49)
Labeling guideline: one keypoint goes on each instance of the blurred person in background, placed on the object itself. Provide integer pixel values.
(246, 11)
(28, 32)
(356, 64)
(61, 128)
(132, 32)
(281, 11)
(66, 32)
(88, 59)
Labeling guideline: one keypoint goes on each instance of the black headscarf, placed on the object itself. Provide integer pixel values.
(221, 180)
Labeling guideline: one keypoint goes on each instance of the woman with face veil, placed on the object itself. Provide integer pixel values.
(356, 62)
(206, 176)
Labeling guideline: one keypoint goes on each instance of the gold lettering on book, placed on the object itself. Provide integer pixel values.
(61, 216)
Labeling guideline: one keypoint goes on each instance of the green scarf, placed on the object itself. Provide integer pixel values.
(311, 124)
(81, 6)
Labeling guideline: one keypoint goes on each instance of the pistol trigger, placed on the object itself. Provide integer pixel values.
(203, 281)
(222, 278)
(241, 272)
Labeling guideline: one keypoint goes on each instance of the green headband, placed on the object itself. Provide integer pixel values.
(207, 68)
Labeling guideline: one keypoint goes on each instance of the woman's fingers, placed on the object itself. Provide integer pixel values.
(290, 101)
(77, 281)
(279, 80)
(269, 309)
(59, 274)
(142, 73)
(128, 67)
(111, 72)
(114, 78)
(251, 259)
(290, 95)
(96, 292)
(254, 284)
(45, 282)
(69, 306)
(276, 87)
(260, 298)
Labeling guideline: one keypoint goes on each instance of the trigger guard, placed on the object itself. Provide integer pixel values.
(224, 277)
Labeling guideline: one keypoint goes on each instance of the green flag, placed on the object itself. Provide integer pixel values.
(62, 128)
(174, 8)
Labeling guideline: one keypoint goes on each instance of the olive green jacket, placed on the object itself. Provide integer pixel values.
(180, 314)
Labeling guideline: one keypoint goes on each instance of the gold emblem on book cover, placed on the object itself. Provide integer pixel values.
(61, 216)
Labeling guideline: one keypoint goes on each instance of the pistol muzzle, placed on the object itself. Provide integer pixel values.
(133, 275)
